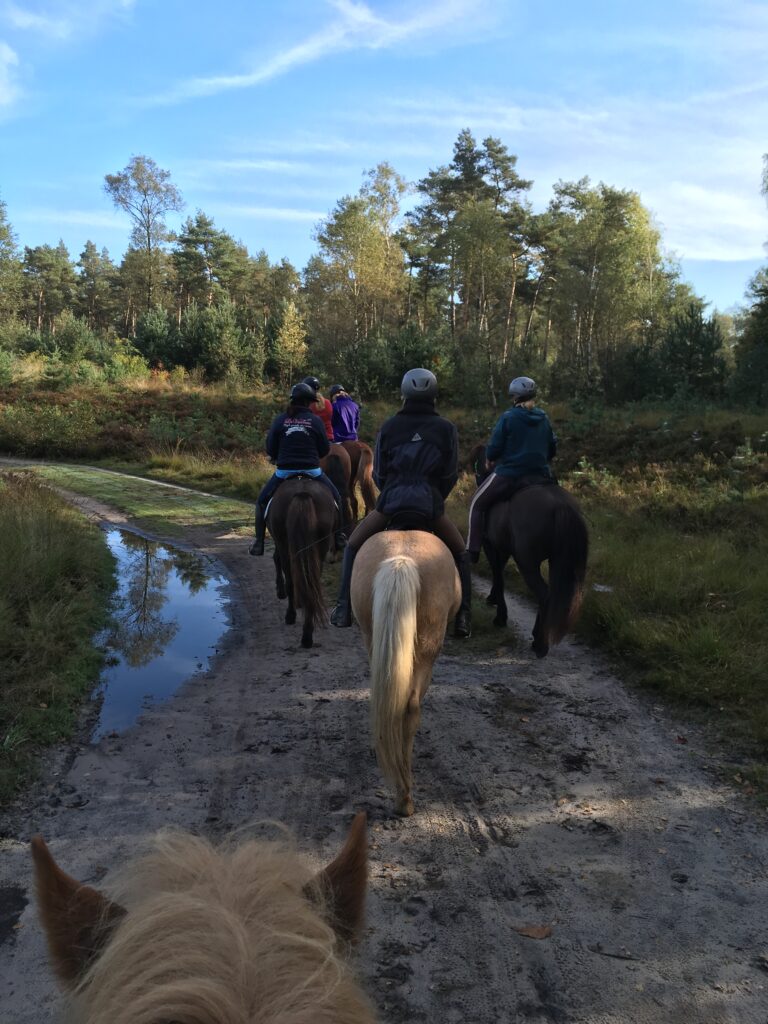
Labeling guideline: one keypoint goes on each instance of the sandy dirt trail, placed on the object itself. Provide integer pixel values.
(547, 795)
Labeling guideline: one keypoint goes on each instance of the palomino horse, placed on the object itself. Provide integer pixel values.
(405, 588)
(301, 519)
(361, 458)
(208, 935)
(539, 523)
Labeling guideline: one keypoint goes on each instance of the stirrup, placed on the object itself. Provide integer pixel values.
(341, 616)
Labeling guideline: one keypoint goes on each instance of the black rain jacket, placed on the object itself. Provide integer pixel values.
(416, 464)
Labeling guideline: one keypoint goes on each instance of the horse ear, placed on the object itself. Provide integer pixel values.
(77, 919)
(345, 879)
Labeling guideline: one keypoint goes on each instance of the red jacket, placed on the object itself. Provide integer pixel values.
(323, 408)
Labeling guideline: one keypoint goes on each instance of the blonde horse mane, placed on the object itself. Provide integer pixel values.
(219, 936)
(396, 588)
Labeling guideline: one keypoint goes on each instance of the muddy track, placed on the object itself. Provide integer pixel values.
(547, 796)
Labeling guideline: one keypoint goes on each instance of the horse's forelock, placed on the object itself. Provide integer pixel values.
(212, 934)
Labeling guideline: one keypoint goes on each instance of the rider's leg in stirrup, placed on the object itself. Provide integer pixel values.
(260, 521)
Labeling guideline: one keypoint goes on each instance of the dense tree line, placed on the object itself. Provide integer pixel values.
(470, 280)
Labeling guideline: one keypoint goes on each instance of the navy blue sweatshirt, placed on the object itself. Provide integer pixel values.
(297, 441)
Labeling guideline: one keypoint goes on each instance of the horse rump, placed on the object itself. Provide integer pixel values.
(302, 527)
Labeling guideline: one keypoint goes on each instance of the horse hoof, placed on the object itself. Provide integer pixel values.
(540, 650)
(404, 808)
(306, 641)
(490, 600)
(281, 595)
(290, 618)
(498, 621)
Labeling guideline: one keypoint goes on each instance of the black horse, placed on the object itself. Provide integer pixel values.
(540, 522)
(301, 520)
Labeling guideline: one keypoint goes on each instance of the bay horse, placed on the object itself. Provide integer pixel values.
(539, 523)
(205, 934)
(405, 588)
(361, 474)
(301, 518)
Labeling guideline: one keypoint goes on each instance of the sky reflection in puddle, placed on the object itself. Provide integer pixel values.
(170, 613)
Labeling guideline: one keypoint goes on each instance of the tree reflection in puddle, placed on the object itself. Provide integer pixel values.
(169, 615)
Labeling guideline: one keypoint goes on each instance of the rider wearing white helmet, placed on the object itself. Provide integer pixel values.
(521, 447)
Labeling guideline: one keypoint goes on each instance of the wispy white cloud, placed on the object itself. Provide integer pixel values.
(59, 20)
(695, 160)
(245, 165)
(356, 27)
(285, 213)
(77, 218)
(9, 88)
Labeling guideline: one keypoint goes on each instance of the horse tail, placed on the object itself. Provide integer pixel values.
(567, 569)
(303, 532)
(396, 588)
(365, 478)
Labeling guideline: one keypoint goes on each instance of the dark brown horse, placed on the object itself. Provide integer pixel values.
(541, 522)
(361, 473)
(301, 519)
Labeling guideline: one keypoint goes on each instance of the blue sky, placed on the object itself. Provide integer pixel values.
(267, 112)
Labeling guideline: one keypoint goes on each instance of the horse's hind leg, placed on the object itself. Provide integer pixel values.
(279, 578)
(537, 584)
(496, 596)
(308, 629)
(411, 719)
(290, 611)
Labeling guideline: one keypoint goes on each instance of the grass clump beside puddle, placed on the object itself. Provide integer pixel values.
(160, 510)
(56, 579)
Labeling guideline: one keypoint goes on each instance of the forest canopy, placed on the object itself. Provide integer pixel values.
(456, 272)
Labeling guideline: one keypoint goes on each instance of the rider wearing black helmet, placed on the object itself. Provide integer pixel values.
(296, 442)
(415, 467)
(321, 407)
(521, 447)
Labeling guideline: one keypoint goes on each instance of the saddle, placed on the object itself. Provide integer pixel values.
(410, 520)
(523, 483)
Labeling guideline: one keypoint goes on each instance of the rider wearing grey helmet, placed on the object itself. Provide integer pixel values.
(521, 447)
(415, 467)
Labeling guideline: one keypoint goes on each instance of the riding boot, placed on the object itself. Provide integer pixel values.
(260, 526)
(340, 538)
(341, 615)
(462, 625)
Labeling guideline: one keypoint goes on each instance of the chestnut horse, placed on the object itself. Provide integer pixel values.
(361, 473)
(301, 518)
(539, 523)
(201, 934)
(405, 588)
(337, 466)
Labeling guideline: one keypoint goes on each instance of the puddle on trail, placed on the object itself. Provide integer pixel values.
(170, 613)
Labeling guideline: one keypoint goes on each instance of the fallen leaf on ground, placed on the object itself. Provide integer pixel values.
(534, 931)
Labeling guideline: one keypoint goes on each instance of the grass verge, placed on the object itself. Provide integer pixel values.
(56, 578)
(164, 511)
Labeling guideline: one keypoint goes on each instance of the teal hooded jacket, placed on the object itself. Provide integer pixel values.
(522, 443)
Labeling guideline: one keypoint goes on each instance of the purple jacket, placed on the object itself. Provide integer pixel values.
(346, 419)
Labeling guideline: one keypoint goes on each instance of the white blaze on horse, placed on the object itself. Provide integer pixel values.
(405, 589)
(210, 936)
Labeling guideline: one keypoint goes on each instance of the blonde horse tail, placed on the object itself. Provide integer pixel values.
(396, 589)
(365, 478)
